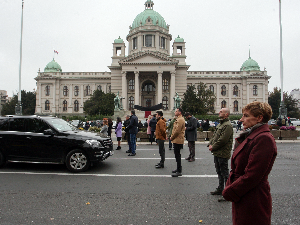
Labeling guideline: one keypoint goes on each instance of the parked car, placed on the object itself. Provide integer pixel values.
(295, 122)
(50, 140)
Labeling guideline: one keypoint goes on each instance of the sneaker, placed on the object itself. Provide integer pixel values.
(216, 192)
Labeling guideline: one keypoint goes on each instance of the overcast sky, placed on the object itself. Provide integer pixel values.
(217, 35)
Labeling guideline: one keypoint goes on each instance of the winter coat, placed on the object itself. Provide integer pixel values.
(132, 127)
(148, 127)
(178, 131)
(160, 131)
(152, 124)
(247, 186)
(119, 130)
(191, 129)
(222, 139)
(104, 130)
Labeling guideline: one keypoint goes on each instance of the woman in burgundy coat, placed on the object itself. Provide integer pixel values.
(254, 154)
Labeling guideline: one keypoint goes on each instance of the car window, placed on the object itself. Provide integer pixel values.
(36, 125)
(16, 124)
(4, 124)
(60, 124)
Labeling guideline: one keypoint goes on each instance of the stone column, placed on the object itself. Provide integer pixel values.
(124, 90)
(172, 90)
(70, 94)
(248, 93)
(159, 87)
(218, 94)
(137, 88)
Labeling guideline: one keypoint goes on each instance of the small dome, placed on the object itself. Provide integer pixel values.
(249, 65)
(179, 39)
(119, 40)
(53, 67)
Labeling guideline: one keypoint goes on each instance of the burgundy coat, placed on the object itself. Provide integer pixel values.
(247, 186)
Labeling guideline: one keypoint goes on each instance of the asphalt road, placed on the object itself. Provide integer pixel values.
(129, 190)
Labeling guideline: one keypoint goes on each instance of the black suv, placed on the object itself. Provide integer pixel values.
(36, 139)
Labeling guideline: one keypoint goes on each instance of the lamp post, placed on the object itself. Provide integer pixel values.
(18, 108)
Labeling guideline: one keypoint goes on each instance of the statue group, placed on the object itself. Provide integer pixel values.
(118, 102)
(177, 101)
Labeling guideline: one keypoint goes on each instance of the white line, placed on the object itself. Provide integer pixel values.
(106, 175)
(146, 158)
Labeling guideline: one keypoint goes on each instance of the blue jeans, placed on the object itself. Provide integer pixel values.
(132, 146)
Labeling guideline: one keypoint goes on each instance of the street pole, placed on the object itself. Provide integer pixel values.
(18, 109)
(282, 109)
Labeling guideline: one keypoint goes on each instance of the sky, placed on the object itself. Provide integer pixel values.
(217, 33)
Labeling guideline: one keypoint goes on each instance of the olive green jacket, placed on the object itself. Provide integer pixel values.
(222, 139)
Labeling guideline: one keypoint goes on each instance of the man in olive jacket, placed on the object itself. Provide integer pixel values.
(220, 146)
(160, 134)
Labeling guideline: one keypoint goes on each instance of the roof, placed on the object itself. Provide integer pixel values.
(53, 67)
(250, 65)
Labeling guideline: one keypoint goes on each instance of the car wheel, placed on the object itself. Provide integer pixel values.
(77, 161)
(2, 159)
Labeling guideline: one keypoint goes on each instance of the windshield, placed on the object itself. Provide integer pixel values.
(60, 124)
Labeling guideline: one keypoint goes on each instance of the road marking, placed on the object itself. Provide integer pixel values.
(107, 175)
(146, 158)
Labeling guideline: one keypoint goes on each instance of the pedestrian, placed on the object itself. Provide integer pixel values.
(133, 129)
(220, 146)
(140, 126)
(205, 125)
(118, 131)
(86, 125)
(254, 154)
(104, 129)
(191, 135)
(177, 139)
(110, 123)
(146, 124)
(170, 128)
(160, 133)
(148, 127)
(152, 125)
(127, 135)
(239, 126)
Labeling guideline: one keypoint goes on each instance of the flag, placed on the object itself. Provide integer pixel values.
(56, 52)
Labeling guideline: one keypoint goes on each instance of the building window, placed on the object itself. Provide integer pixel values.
(99, 88)
(148, 40)
(109, 89)
(255, 92)
(47, 105)
(47, 90)
(87, 90)
(223, 90)
(76, 106)
(134, 42)
(65, 91)
(223, 104)
(165, 102)
(235, 106)
(131, 103)
(148, 87)
(148, 102)
(65, 105)
(131, 84)
(235, 90)
(76, 91)
(212, 88)
(163, 42)
(165, 84)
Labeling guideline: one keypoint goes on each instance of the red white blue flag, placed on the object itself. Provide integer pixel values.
(56, 52)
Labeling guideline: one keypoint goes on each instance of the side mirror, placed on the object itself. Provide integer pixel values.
(49, 132)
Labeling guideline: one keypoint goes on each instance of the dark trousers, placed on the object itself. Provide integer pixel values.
(152, 139)
(161, 147)
(128, 139)
(221, 165)
(191, 145)
(177, 148)
(170, 144)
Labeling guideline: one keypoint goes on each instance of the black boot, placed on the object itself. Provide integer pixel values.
(118, 148)
(159, 165)
(178, 172)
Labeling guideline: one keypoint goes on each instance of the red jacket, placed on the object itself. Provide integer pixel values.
(247, 186)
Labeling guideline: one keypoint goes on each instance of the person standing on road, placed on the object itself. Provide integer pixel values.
(118, 132)
(177, 139)
(254, 154)
(170, 128)
(160, 133)
(239, 126)
(133, 129)
(148, 127)
(127, 135)
(191, 135)
(104, 128)
(152, 125)
(220, 146)
(110, 123)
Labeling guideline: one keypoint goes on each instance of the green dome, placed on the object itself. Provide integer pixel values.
(249, 65)
(53, 67)
(179, 39)
(149, 12)
(119, 40)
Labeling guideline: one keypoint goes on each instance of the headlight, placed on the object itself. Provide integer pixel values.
(93, 143)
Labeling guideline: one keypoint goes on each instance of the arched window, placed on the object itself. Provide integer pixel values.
(131, 84)
(236, 90)
(255, 91)
(148, 102)
(76, 91)
(223, 90)
(76, 106)
(47, 105)
(87, 90)
(165, 102)
(47, 90)
(165, 84)
(99, 88)
(131, 103)
(65, 105)
(235, 106)
(65, 91)
(223, 104)
(212, 88)
(148, 87)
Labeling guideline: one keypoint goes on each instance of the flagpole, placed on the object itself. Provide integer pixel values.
(282, 109)
(18, 109)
